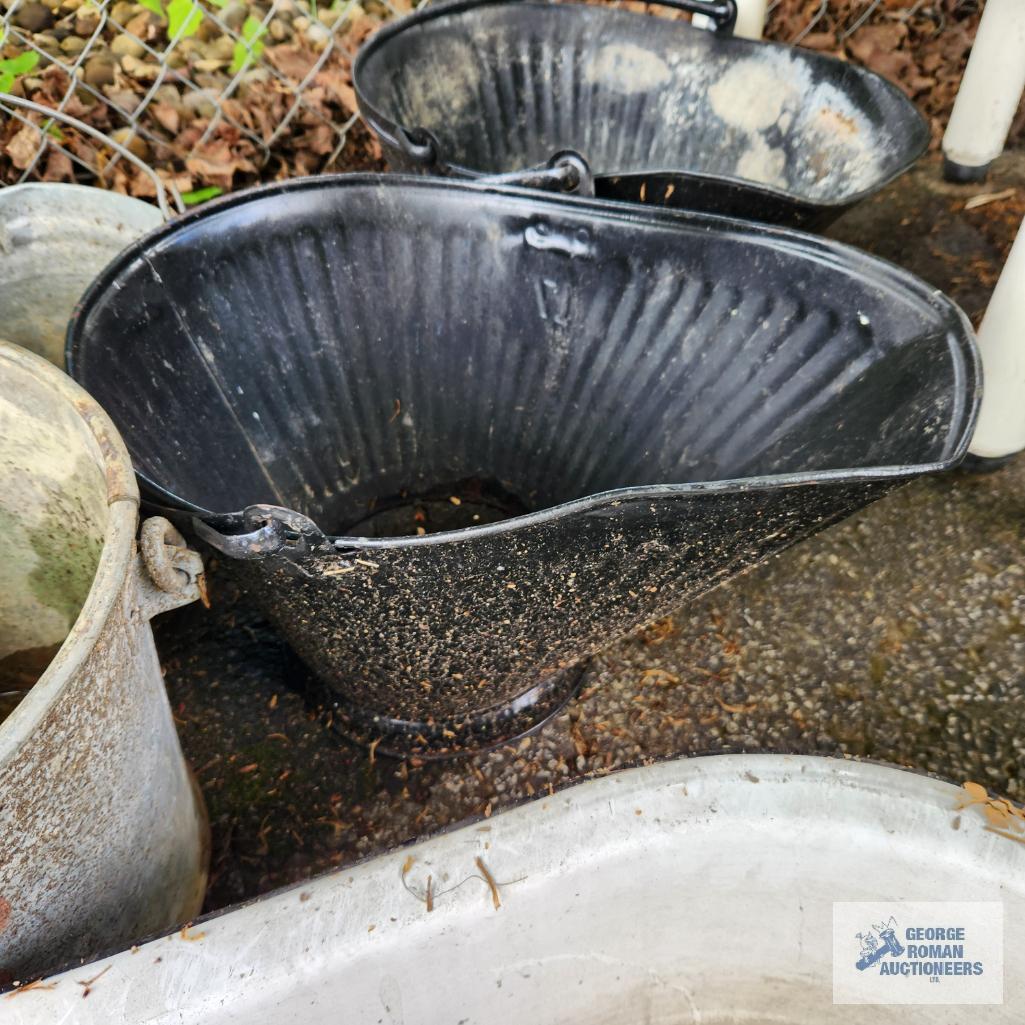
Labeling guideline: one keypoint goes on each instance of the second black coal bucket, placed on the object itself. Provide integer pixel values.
(663, 112)
(455, 438)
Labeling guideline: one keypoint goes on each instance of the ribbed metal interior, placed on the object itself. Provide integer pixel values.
(341, 341)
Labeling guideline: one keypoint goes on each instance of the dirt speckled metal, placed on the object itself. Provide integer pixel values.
(455, 438)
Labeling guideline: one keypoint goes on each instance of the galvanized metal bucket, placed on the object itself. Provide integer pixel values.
(103, 836)
(700, 890)
(54, 239)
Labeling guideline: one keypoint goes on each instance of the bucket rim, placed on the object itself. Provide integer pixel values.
(886, 275)
(385, 126)
(95, 203)
(113, 567)
(894, 475)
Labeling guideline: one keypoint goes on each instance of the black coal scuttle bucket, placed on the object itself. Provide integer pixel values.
(456, 438)
(662, 111)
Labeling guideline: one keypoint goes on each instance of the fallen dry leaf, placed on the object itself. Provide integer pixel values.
(167, 117)
(23, 147)
(985, 198)
(215, 164)
(58, 166)
(293, 62)
(735, 708)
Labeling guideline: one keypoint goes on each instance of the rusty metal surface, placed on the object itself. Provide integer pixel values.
(102, 836)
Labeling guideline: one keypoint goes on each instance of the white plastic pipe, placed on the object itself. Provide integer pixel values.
(750, 19)
(1001, 427)
(988, 97)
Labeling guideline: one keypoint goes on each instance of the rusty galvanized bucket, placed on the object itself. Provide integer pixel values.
(103, 836)
(54, 239)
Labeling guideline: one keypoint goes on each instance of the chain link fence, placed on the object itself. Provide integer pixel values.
(219, 94)
(212, 94)
(843, 19)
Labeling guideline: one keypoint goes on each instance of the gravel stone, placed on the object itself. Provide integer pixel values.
(33, 17)
(127, 46)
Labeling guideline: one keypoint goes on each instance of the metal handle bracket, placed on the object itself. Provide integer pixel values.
(168, 573)
(271, 530)
(722, 12)
(566, 171)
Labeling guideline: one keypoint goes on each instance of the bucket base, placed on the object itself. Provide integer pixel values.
(397, 738)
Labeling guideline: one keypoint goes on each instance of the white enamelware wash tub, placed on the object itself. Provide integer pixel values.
(690, 891)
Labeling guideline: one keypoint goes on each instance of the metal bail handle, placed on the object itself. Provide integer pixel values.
(722, 12)
(419, 145)
(566, 171)
(270, 530)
